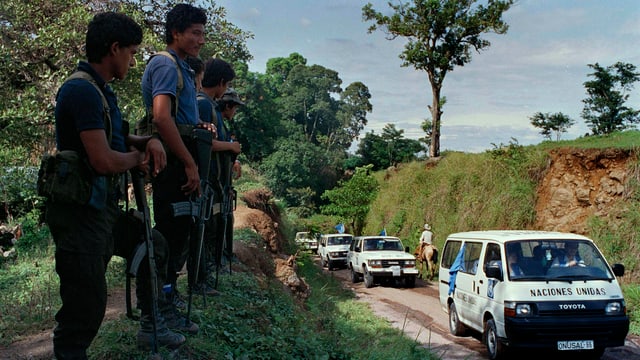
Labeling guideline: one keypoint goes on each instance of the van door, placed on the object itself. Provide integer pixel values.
(486, 287)
(467, 291)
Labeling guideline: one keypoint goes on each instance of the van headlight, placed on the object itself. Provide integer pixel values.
(375, 263)
(513, 309)
(615, 308)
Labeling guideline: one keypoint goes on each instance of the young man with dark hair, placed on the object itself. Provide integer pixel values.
(84, 233)
(175, 114)
(218, 75)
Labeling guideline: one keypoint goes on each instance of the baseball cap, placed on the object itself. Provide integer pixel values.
(231, 96)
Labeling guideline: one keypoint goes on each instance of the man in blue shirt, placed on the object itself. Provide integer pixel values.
(175, 113)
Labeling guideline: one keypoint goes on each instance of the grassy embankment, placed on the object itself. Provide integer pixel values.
(497, 190)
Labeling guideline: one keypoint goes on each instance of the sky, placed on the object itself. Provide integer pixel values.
(539, 65)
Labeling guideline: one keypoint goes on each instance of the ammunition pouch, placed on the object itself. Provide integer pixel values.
(67, 177)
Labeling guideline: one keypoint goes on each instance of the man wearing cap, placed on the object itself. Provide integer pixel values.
(228, 165)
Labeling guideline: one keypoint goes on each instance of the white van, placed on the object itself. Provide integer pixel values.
(532, 289)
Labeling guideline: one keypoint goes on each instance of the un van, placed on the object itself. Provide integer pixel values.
(532, 289)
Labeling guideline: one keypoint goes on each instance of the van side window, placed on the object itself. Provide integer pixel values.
(491, 255)
(450, 252)
(472, 256)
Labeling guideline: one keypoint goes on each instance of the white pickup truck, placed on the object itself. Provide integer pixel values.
(377, 257)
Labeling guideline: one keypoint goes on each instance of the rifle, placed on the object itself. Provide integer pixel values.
(199, 208)
(229, 204)
(144, 215)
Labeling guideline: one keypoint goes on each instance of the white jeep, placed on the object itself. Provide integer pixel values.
(305, 241)
(333, 249)
(378, 257)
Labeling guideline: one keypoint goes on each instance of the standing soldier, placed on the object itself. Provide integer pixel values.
(89, 126)
(175, 114)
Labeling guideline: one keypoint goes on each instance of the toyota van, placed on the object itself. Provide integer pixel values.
(532, 289)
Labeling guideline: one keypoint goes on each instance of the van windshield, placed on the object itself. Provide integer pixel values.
(555, 260)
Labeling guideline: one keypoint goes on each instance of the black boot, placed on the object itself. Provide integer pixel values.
(165, 337)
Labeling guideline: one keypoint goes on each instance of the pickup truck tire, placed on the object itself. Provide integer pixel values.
(410, 282)
(368, 278)
(455, 326)
(329, 263)
(355, 277)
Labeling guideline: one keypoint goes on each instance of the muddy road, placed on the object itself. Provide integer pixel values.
(418, 314)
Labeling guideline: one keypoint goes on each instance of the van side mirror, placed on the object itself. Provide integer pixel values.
(406, 249)
(618, 269)
(357, 249)
(494, 271)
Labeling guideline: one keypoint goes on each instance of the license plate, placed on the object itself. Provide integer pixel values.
(575, 345)
(395, 270)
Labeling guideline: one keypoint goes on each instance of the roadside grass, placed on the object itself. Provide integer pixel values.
(255, 317)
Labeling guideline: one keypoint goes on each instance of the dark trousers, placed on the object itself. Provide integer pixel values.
(176, 230)
(83, 290)
(84, 244)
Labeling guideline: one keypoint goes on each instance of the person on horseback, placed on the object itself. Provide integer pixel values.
(426, 238)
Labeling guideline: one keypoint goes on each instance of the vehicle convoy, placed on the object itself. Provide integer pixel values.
(532, 289)
(377, 258)
(306, 241)
(333, 249)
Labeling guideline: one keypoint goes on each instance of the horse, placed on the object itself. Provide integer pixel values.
(426, 256)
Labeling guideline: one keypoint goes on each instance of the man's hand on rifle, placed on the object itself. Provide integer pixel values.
(193, 179)
(154, 153)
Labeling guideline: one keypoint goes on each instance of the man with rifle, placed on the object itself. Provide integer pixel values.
(218, 75)
(89, 125)
(228, 165)
(175, 116)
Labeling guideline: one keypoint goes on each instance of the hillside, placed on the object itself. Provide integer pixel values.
(591, 191)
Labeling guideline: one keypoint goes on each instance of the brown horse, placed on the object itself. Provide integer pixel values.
(426, 257)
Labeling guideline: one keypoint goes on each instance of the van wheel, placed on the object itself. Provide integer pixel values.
(355, 277)
(322, 262)
(495, 348)
(455, 326)
(368, 278)
(329, 263)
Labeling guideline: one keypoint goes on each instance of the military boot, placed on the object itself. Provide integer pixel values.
(165, 337)
(174, 320)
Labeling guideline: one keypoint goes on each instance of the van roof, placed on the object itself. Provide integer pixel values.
(510, 235)
(336, 235)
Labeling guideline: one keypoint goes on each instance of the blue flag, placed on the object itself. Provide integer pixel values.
(383, 232)
(458, 264)
(340, 228)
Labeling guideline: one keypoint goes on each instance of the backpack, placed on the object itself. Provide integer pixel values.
(145, 126)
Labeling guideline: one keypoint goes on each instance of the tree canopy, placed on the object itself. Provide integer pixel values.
(440, 35)
(550, 124)
(607, 93)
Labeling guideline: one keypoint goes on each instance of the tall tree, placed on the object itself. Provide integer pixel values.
(604, 109)
(352, 198)
(549, 124)
(441, 35)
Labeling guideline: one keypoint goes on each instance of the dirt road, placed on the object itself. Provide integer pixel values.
(418, 314)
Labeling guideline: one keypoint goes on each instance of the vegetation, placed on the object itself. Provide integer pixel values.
(604, 108)
(549, 124)
(440, 36)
